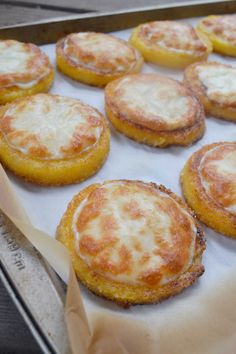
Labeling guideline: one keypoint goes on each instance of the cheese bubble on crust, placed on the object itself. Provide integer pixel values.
(173, 36)
(131, 232)
(50, 127)
(219, 81)
(155, 102)
(218, 175)
(13, 58)
(100, 52)
(22, 64)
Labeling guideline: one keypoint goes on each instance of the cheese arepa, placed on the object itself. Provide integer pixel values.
(221, 31)
(215, 86)
(52, 140)
(209, 186)
(96, 58)
(154, 110)
(169, 43)
(24, 70)
(132, 242)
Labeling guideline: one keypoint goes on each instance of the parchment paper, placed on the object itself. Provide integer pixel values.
(201, 320)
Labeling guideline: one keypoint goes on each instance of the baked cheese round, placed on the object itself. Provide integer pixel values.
(154, 110)
(209, 186)
(221, 31)
(132, 242)
(96, 58)
(52, 140)
(24, 70)
(169, 43)
(215, 86)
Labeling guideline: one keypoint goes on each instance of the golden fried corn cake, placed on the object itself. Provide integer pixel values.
(154, 110)
(169, 43)
(52, 140)
(209, 186)
(96, 58)
(221, 31)
(215, 86)
(24, 70)
(132, 242)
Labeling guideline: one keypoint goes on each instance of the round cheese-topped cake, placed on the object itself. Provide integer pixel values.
(209, 184)
(154, 104)
(49, 128)
(222, 26)
(100, 55)
(170, 43)
(100, 52)
(215, 86)
(176, 36)
(23, 67)
(218, 175)
(221, 30)
(132, 234)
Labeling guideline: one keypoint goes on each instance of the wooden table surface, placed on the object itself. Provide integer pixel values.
(14, 334)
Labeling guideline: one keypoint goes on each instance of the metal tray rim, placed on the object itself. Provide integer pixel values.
(132, 11)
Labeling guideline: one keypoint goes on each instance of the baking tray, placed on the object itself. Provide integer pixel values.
(30, 281)
(16, 253)
(43, 32)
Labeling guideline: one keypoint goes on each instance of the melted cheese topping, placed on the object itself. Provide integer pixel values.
(218, 175)
(50, 127)
(223, 27)
(173, 36)
(100, 52)
(21, 64)
(219, 81)
(131, 232)
(155, 102)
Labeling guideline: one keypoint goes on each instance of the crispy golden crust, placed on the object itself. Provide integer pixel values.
(96, 58)
(221, 31)
(32, 72)
(154, 110)
(215, 90)
(214, 206)
(149, 289)
(170, 43)
(30, 150)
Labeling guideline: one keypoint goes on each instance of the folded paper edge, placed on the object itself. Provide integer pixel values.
(59, 259)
